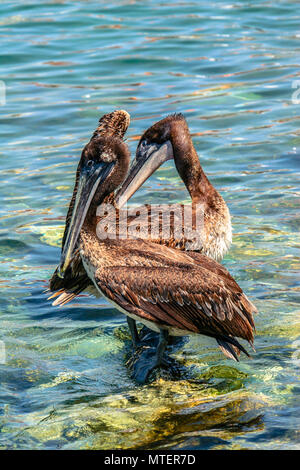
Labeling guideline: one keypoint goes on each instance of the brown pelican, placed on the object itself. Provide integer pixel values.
(170, 139)
(171, 291)
(75, 279)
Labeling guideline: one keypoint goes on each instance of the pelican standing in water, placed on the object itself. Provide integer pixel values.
(170, 291)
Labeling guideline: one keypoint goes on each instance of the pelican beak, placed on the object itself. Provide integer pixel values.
(90, 178)
(148, 159)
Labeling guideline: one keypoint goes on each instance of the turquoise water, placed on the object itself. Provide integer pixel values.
(231, 68)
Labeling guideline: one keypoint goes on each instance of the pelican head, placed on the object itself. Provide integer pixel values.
(154, 148)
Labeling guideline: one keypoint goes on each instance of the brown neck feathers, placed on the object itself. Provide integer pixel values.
(188, 164)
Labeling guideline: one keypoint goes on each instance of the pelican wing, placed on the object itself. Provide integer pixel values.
(75, 281)
(186, 297)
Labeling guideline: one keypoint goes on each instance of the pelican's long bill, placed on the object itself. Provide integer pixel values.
(148, 158)
(91, 177)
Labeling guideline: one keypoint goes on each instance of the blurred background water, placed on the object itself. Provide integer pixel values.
(232, 69)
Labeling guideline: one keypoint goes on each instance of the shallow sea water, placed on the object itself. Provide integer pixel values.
(233, 70)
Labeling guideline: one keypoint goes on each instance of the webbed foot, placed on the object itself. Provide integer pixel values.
(150, 356)
(147, 362)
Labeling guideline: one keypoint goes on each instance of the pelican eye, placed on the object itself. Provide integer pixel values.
(142, 147)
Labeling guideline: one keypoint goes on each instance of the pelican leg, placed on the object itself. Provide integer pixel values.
(163, 341)
(148, 361)
(134, 332)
